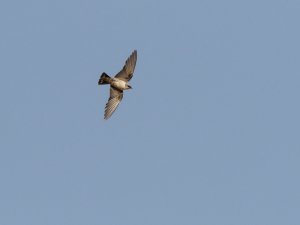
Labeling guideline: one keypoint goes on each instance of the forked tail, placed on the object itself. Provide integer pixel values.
(104, 79)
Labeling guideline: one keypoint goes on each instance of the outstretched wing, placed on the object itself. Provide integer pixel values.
(126, 73)
(113, 102)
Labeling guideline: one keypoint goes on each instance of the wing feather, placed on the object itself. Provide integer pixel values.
(127, 71)
(113, 102)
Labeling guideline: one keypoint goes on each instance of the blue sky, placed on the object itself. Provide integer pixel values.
(208, 135)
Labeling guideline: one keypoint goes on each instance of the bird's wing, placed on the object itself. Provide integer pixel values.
(126, 73)
(113, 102)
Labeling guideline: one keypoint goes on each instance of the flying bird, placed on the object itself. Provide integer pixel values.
(118, 84)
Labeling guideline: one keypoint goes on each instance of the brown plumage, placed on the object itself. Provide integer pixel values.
(118, 84)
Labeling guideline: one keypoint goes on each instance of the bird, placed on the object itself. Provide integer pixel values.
(118, 84)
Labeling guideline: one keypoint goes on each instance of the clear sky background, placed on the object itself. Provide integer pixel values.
(208, 135)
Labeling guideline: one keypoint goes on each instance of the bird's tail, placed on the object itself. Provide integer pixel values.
(104, 79)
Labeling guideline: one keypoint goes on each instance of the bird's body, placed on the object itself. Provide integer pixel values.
(118, 84)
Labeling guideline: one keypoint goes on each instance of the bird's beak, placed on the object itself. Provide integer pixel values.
(129, 87)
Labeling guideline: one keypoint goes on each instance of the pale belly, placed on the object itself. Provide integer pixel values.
(120, 84)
